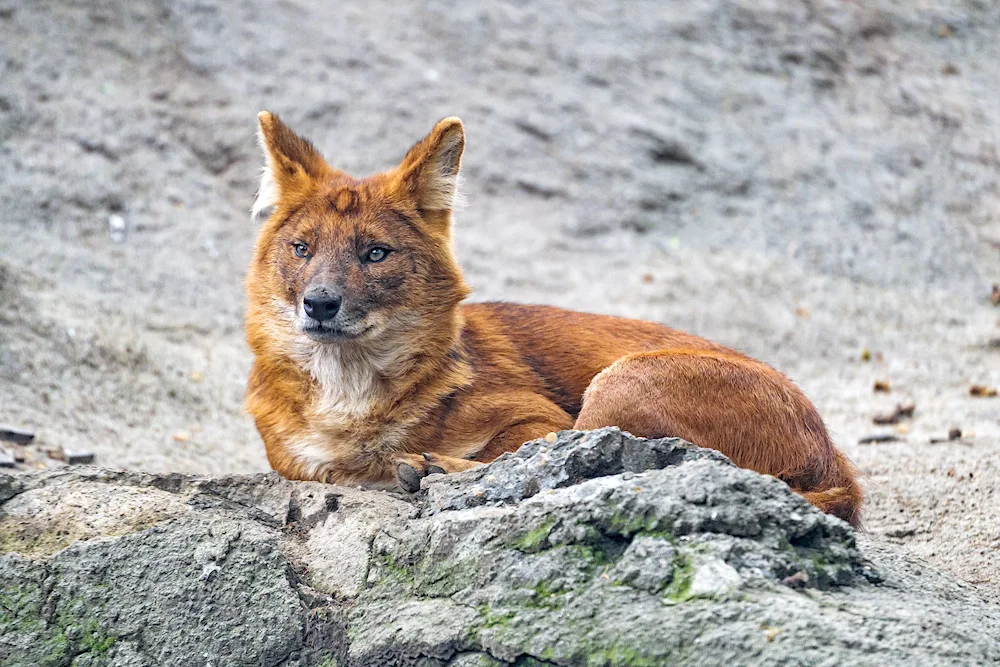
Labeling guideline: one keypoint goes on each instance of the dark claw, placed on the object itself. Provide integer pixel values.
(435, 470)
(427, 456)
(409, 477)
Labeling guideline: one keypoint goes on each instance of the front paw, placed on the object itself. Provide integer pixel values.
(408, 477)
(411, 468)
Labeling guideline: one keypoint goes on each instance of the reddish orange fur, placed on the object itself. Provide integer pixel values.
(465, 383)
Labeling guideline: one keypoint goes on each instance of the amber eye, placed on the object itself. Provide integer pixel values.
(300, 249)
(376, 255)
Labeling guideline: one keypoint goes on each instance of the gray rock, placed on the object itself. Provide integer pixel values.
(16, 435)
(598, 549)
(539, 466)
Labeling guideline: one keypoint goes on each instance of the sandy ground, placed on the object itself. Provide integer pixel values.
(801, 179)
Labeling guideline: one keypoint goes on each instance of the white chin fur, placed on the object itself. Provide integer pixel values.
(350, 373)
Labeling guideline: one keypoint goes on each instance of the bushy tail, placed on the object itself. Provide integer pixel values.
(842, 496)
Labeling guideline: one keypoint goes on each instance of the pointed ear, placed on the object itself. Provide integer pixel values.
(291, 164)
(429, 172)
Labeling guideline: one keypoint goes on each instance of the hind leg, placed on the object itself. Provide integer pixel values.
(741, 407)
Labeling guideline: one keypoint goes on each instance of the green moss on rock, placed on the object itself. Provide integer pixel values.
(54, 641)
(535, 540)
(679, 589)
(618, 655)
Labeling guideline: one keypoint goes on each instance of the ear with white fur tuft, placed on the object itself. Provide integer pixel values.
(291, 164)
(430, 170)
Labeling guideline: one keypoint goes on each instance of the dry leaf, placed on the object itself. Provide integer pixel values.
(954, 435)
(902, 411)
(878, 437)
(56, 453)
(771, 633)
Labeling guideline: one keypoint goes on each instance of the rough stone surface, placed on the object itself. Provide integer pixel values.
(621, 552)
(537, 466)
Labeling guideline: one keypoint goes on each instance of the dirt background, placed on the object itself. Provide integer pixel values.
(800, 179)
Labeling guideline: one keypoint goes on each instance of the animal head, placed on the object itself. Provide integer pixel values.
(349, 261)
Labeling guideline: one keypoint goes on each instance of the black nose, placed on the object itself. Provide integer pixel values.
(321, 307)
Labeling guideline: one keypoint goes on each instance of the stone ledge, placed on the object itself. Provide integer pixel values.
(598, 548)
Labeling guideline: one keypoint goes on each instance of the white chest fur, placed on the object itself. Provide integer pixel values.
(348, 384)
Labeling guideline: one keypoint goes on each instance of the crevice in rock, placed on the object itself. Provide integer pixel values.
(205, 500)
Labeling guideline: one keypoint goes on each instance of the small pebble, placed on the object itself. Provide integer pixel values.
(954, 435)
(15, 434)
(78, 456)
(881, 386)
(551, 437)
(899, 532)
(116, 228)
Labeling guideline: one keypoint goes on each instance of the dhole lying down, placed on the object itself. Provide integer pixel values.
(369, 369)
